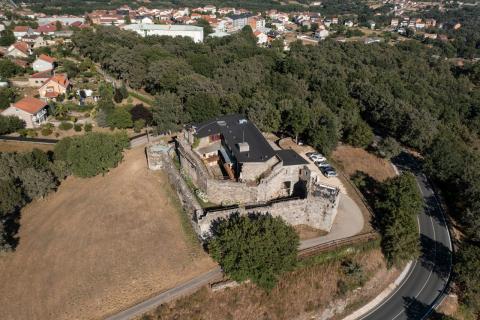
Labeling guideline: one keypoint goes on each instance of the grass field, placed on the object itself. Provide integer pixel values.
(356, 159)
(97, 246)
(9, 146)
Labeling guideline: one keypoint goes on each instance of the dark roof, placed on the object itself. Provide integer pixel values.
(236, 129)
(241, 16)
(291, 158)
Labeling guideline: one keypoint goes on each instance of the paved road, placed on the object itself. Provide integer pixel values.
(423, 287)
(181, 290)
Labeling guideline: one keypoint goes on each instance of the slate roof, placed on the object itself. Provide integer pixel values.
(236, 129)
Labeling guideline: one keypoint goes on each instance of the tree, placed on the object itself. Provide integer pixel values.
(322, 132)
(207, 29)
(92, 153)
(7, 38)
(70, 68)
(118, 96)
(37, 183)
(203, 106)
(297, 119)
(389, 148)
(119, 118)
(167, 112)
(466, 273)
(10, 197)
(255, 247)
(314, 27)
(396, 210)
(127, 19)
(8, 68)
(360, 135)
(7, 96)
(5, 245)
(58, 25)
(9, 124)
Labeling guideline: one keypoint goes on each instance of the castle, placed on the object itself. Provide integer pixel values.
(235, 169)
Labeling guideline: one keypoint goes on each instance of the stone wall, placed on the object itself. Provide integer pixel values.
(228, 192)
(161, 159)
(318, 210)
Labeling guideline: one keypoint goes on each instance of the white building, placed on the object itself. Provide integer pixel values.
(262, 38)
(193, 32)
(43, 63)
(31, 110)
(322, 34)
(65, 20)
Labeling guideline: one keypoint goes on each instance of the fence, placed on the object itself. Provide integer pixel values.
(335, 244)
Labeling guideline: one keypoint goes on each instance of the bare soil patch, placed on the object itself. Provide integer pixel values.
(356, 159)
(300, 294)
(97, 246)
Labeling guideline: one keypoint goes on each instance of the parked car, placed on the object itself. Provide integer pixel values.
(329, 171)
(317, 157)
(322, 164)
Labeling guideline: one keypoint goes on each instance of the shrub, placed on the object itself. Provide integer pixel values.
(77, 127)
(138, 125)
(88, 127)
(389, 148)
(46, 132)
(65, 126)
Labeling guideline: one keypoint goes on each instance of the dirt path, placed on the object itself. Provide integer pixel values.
(97, 246)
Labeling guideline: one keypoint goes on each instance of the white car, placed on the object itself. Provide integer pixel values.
(317, 157)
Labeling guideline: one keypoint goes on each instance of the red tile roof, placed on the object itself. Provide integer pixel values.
(47, 28)
(42, 75)
(44, 57)
(30, 105)
(21, 29)
(22, 46)
(60, 79)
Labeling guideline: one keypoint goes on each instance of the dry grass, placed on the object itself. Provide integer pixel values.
(356, 159)
(98, 245)
(298, 294)
(307, 232)
(9, 146)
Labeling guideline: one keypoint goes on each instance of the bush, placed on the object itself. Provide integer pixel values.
(256, 247)
(65, 126)
(88, 127)
(46, 132)
(138, 125)
(9, 124)
(77, 127)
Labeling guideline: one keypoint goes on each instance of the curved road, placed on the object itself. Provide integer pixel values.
(424, 286)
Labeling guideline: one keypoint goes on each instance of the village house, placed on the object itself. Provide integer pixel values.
(262, 38)
(35, 41)
(37, 80)
(19, 50)
(31, 110)
(57, 85)
(47, 29)
(21, 31)
(43, 63)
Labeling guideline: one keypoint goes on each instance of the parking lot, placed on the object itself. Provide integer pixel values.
(288, 143)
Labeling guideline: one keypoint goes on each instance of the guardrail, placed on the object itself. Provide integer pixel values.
(335, 244)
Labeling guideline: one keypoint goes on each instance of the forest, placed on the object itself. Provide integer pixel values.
(323, 94)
